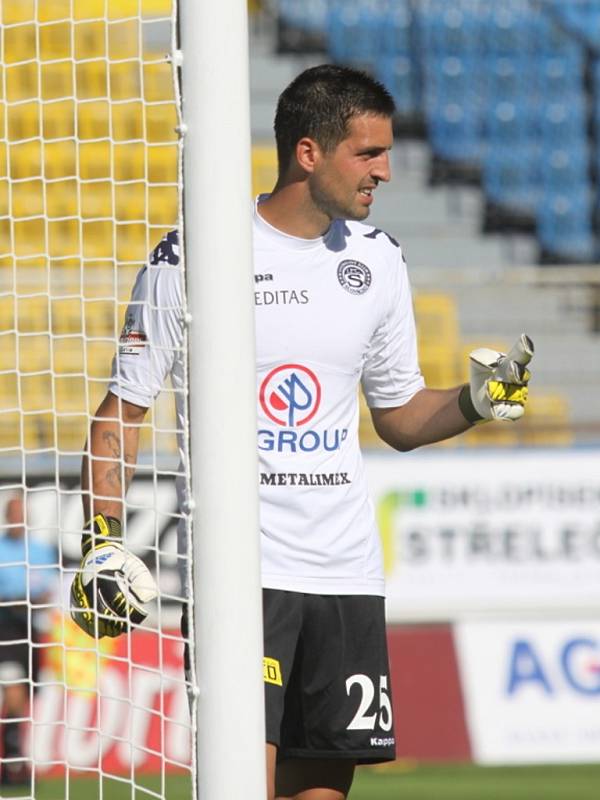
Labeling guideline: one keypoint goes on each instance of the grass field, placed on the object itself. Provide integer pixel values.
(399, 782)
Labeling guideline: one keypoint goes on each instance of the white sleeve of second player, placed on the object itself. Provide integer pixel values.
(391, 374)
(152, 336)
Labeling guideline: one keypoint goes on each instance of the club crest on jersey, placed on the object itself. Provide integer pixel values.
(354, 276)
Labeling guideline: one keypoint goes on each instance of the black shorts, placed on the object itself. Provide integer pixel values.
(327, 682)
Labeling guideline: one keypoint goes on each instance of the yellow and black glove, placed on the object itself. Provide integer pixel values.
(497, 388)
(112, 586)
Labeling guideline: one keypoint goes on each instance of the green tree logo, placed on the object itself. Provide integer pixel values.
(388, 506)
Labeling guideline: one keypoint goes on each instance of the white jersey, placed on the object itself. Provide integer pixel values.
(331, 313)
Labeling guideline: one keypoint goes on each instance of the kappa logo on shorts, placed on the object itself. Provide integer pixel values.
(386, 741)
(272, 671)
(354, 276)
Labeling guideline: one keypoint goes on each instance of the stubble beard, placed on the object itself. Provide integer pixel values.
(335, 209)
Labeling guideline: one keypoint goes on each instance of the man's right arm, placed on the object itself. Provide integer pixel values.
(112, 586)
(110, 459)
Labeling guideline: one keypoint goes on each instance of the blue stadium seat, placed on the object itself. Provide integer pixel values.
(308, 15)
(397, 35)
(549, 37)
(564, 227)
(507, 29)
(596, 90)
(452, 106)
(565, 168)
(513, 28)
(450, 27)
(455, 132)
(450, 79)
(596, 120)
(355, 32)
(402, 79)
(580, 19)
(398, 62)
(511, 178)
(561, 75)
(504, 76)
(343, 32)
(564, 122)
(512, 123)
(301, 26)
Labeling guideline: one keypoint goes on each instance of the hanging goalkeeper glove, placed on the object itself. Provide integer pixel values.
(498, 383)
(112, 586)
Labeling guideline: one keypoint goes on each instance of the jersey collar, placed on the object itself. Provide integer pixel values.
(293, 242)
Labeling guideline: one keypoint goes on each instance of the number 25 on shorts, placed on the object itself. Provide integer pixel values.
(363, 720)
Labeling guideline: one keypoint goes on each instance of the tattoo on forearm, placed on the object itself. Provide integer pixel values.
(113, 443)
(114, 475)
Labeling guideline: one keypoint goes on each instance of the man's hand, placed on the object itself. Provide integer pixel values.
(112, 586)
(498, 383)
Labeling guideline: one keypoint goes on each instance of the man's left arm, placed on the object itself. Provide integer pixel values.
(497, 390)
(431, 415)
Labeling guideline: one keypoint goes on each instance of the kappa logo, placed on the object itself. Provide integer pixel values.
(354, 276)
(290, 395)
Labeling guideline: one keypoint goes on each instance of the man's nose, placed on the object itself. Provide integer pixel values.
(381, 169)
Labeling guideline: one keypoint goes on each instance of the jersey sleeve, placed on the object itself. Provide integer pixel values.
(152, 336)
(391, 373)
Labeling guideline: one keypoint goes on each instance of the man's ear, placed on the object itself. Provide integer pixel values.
(308, 154)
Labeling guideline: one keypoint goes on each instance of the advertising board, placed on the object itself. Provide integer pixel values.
(488, 532)
(531, 690)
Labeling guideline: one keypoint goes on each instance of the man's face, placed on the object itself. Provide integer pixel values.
(344, 179)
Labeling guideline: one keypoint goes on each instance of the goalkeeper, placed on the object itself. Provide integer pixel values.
(337, 314)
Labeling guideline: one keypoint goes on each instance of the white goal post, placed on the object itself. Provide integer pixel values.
(218, 247)
(104, 105)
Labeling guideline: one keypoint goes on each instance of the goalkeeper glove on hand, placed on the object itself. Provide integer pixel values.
(112, 586)
(498, 383)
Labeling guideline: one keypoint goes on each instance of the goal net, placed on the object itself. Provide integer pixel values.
(89, 184)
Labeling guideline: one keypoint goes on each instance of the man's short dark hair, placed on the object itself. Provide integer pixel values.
(320, 103)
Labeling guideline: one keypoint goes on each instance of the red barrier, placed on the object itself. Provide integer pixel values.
(126, 708)
(428, 703)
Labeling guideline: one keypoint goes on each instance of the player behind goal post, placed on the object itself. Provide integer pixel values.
(338, 312)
